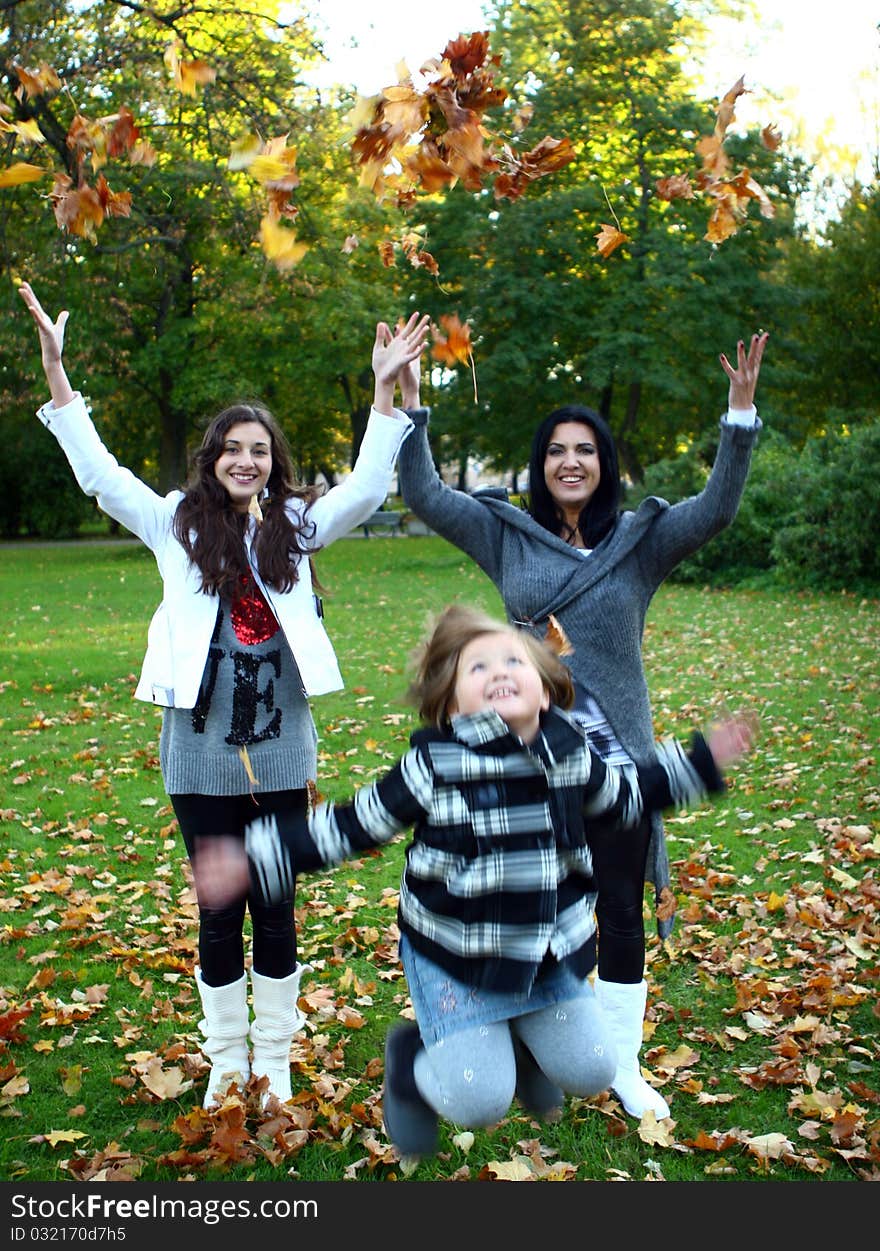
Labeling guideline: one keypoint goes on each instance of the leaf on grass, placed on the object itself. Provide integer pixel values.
(769, 1146)
(56, 1136)
(163, 1083)
(9, 1023)
(656, 1133)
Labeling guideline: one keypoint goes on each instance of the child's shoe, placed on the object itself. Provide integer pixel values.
(410, 1122)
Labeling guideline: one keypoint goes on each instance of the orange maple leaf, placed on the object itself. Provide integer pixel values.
(114, 204)
(455, 346)
(557, 639)
(609, 239)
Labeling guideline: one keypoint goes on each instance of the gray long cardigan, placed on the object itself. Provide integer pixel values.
(601, 600)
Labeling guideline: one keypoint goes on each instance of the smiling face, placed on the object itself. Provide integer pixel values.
(571, 467)
(496, 672)
(244, 465)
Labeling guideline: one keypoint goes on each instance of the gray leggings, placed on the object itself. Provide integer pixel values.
(470, 1076)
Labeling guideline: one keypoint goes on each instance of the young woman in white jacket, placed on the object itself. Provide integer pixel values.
(235, 649)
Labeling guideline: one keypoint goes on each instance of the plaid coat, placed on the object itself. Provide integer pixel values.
(499, 871)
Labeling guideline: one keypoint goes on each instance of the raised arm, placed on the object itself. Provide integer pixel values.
(678, 778)
(279, 850)
(51, 346)
(394, 353)
(686, 526)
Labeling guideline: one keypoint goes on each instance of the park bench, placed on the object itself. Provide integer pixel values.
(383, 519)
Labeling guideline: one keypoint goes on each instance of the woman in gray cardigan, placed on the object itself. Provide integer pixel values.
(574, 556)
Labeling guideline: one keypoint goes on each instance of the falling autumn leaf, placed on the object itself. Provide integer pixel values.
(28, 130)
(454, 347)
(280, 244)
(557, 639)
(37, 82)
(20, 172)
(771, 138)
(188, 76)
(609, 239)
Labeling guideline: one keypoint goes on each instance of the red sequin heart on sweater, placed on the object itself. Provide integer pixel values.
(252, 619)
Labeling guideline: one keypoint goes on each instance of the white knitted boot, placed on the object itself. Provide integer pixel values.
(624, 1006)
(225, 1027)
(276, 1019)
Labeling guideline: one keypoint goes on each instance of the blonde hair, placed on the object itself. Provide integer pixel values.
(436, 661)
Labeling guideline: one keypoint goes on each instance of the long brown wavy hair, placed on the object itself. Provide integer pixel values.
(210, 530)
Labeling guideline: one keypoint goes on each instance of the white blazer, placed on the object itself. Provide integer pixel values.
(180, 631)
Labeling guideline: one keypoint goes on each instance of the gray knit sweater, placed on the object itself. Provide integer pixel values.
(601, 600)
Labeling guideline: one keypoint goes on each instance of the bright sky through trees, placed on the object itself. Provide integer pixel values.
(811, 68)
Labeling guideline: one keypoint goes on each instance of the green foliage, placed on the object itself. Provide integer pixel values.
(829, 539)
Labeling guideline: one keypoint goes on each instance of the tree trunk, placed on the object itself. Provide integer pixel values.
(631, 464)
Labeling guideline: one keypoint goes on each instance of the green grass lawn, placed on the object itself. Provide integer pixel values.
(763, 1008)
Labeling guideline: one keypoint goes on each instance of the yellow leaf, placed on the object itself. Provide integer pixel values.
(775, 902)
(281, 245)
(511, 1170)
(61, 1135)
(248, 767)
(267, 168)
(26, 130)
(21, 172)
(244, 151)
(18, 1085)
(656, 1133)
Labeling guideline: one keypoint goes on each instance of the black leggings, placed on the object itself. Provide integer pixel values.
(221, 937)
(619, 859)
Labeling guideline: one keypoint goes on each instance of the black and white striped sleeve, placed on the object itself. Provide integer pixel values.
(279, 849)
(677, 779)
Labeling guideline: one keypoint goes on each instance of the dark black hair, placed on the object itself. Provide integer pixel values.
(600, 512)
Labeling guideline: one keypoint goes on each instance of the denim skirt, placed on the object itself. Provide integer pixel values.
(443, 1005)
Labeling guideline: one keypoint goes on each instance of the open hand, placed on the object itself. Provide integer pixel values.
(392, 351)
(220, 871)
(51, 332)
(744, 379)
(732, 737)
